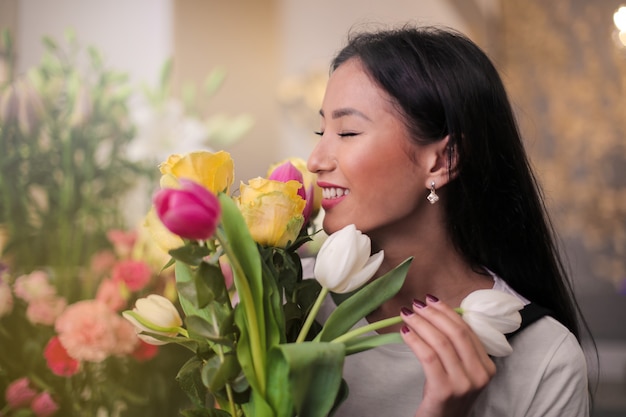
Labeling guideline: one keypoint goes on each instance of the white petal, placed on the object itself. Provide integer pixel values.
(361, 277)
(492, 302)
(494, 341)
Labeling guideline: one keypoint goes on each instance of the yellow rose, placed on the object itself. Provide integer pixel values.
(310, 182)
(213, 170)
(272, 210)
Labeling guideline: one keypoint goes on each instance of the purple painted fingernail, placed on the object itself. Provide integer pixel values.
(407, 312)
(404, 329)
(419, 304)
(432, 298)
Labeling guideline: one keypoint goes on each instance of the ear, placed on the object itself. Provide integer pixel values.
(441, 163)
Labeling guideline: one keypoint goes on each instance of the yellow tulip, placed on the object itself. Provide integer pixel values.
(272, 210)
(213, 170)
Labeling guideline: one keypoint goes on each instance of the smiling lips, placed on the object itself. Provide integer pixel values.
(333, 196)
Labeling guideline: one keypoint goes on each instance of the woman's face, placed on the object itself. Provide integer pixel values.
(370, 172)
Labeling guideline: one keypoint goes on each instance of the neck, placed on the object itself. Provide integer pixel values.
(437, 269)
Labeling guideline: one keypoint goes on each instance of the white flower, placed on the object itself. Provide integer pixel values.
(491, 314)
(154, 314)
(344, 263)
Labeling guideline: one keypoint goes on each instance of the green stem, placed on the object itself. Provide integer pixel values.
(312, 314)
(245, 295)
(381, 324)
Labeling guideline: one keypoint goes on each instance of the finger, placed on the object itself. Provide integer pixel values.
(428, 357)
(477, 363)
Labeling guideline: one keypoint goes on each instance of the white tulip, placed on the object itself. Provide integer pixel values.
(344, 263)
(491, 314)
(154, 314)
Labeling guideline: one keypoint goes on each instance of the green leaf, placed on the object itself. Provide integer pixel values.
(49, 43)
(199, 328)
(363, 302)
(185, 286)
(190, 381)
(213, 81)
(364, 343)
(190, 254)
(310, 372)
(217, 371)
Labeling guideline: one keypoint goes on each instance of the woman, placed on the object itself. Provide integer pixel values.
(420, 150)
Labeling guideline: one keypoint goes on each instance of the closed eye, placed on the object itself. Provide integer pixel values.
(347, 134)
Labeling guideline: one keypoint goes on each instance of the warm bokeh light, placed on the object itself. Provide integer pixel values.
(619, 17)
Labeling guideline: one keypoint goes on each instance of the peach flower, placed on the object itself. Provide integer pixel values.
(111, 293)
(45, 310)
(122, 241)
(87, 330)
(32, 286)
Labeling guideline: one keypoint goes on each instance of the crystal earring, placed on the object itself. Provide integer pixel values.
(432, 197)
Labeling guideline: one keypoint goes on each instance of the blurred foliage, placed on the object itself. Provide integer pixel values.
(64, 129)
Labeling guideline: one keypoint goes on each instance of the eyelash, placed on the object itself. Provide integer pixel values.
(343, 135)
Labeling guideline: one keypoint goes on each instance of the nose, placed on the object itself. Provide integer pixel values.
(319, 159)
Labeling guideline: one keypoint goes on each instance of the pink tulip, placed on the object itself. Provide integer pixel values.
(44, 405)
(191, 211)
(288, 172)
(19, 393)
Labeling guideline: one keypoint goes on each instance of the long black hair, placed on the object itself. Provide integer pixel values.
(445, 85)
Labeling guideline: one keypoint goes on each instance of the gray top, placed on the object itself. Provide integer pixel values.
(546, 375)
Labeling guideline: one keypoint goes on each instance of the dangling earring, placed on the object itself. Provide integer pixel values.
(432, 197)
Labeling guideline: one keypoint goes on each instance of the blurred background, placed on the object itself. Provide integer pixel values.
(248, 76)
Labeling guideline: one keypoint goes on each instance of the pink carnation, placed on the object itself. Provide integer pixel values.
(32, 286)
(122, 241)
(87, 330)
(102, 262)
(19, 393)
(59, 362)
(45, 310)
(126, 336)
(6, 299)
(110, 293)
(44, 405)
(135, 274)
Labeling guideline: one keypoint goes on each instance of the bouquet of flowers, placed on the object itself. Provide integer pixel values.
(67, 358)
(248, 312)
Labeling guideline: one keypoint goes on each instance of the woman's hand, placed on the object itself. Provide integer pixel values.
(455, 363)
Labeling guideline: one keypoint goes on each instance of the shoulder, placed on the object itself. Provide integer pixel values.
(545, 375)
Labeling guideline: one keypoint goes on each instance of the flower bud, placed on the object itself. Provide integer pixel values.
(43, 405)
(154, 314)
(344, 263)
(313, 193)
(491, 314)
(191, 212)
(19, 393)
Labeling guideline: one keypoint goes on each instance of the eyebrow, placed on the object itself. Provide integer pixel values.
(348, 111)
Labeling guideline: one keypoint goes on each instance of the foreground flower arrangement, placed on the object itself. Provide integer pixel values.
(248, 314)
